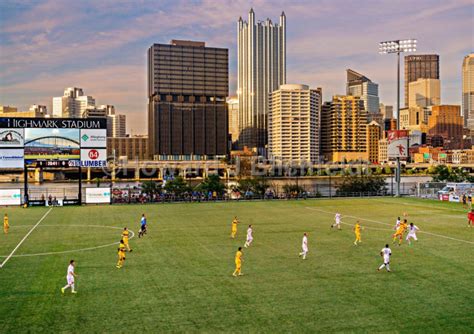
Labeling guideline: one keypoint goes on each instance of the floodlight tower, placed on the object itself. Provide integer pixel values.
(398, 46)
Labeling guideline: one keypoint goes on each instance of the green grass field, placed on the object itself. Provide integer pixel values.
(178, 278)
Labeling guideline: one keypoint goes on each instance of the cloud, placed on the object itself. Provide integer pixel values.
(101, 45)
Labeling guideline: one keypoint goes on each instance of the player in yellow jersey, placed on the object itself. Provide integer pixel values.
(233, 231)
(238, 263)
(400, 232)
(6, 224)
(121, 254)
(357, 229)
(125, 235)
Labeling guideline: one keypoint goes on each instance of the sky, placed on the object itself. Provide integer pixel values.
(101, 46)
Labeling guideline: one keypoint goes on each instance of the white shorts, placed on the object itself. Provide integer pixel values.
(338, 222)
(386, 260)
(305, 249)
(70, 280)
(411, 236)
(249, 239)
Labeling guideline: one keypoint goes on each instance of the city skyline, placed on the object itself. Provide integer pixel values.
(102, 47)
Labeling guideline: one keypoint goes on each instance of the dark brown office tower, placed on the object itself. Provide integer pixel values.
(187, 109)
(420, 67)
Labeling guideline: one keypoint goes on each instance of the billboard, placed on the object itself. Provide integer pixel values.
(92, 157)
(12, 158)
(53, 142)
(397, 144)
(12, 138)
(10, 197)
(97, 195)
(93, 138)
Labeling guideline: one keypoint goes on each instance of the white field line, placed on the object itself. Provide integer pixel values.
(24, 238)
(382, 223)
(75, 250)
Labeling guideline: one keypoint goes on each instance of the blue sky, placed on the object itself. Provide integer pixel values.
(101, 45)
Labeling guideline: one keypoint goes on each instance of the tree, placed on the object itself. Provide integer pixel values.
(177, 186)
(150, 188)
(361, 183)
(444, 173)
(212, 183)
(257, 185)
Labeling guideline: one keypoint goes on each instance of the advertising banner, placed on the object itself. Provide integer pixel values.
(10, 197)
(97, 195)
(93, 157)
(11, 158)
(397, 144)
(12, 138)
(93, 138)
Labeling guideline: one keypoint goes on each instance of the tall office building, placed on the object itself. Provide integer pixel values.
(344, 129)
(116, 123)
(446, 121)
(424, 93)
(293, 124)
(468, 91)
(73, 103)
(187, 91)
(35, 111)
(386, 111)
(233, 112)
(420, 66)
(261, 67)
(374, 134)
(368, 91)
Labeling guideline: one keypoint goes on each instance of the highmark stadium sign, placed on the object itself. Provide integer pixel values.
(55, 142)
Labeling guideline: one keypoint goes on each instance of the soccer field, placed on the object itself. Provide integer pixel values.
(179, 276)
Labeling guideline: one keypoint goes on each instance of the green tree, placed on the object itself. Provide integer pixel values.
(257, 185)
(150, 188)
(444, 173)
(361, 183)
(177, 186)
(212, 183)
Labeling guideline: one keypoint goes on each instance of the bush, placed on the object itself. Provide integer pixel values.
(361, 183)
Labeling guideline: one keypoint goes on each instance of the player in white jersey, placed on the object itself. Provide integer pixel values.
(397, 224)
(385, 253)
(412, 233)
(70, 277)
(249, 237)
(337, 221)
(304, 246)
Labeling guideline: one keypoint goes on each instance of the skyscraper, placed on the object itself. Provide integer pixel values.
(233, 112)
(424, 93)
(261, 67)
(368, 91)
(187, 91)
(420, 66)
(293, 124)
(374, 134)
(446, 121)
(468, 91)
(344, 129)
(72, 104)
(116, 123)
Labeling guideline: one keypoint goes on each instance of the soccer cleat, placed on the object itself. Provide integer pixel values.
(234, 275)
(62, 291)
(74, 292)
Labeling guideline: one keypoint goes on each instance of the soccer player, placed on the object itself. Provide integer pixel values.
(385, 253)
(357, 229)
(238, 263)
(6, 224)
(397, 224)
(470, 218)
(70, 277)
(337, 219)
(121, 254)
(125, 235)
(412, 233)
(399, 232)
(304, 246)
(249, 237)
(233, 231)
(142, 230)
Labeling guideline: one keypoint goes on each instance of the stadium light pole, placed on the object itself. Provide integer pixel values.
(398, 46)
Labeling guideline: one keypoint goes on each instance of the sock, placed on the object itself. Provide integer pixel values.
(388, 267)
(381, 267)
(72, 288)
(66, 286)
